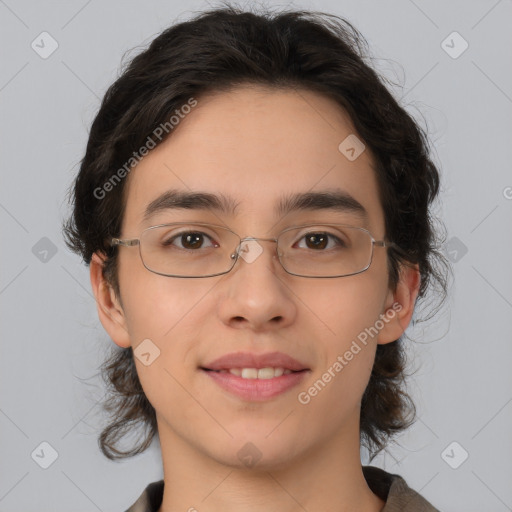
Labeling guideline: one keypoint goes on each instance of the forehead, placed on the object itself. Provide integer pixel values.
(255, 146)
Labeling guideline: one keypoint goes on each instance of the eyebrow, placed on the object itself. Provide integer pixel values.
(335, 200)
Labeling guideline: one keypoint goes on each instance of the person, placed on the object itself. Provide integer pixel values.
(255, 207)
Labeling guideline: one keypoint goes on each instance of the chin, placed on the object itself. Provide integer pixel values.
(257, 453)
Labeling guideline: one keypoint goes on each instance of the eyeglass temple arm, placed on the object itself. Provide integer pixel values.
(126, 243)
(383, 243)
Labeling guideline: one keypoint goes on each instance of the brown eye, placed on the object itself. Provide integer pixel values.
(320, 241)
(190, 240)
(317, 240)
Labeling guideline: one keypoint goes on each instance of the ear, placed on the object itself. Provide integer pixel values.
(110, 311)
(400, 305)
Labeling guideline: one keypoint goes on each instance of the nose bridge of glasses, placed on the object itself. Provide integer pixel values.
(245, 246)
(257, 238)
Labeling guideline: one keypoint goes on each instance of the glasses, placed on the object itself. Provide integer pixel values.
(183, 249)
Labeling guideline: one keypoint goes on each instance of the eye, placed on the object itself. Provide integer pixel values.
(189, 240)
(321, 240)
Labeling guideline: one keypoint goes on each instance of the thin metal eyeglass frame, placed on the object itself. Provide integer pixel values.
(130, 242)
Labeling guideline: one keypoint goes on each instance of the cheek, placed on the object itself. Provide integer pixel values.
(345, 321)
(162, 321)
(155, 305)
(346, 348)
(163, 317)
(347, 306)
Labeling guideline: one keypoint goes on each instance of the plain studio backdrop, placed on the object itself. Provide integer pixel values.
(451, 63)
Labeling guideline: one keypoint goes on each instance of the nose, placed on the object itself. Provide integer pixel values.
(255, 294)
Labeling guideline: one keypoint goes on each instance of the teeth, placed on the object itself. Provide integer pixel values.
(262, 373)
(249, 373)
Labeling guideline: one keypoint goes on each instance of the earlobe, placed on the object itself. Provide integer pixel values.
(110, 311)
(400, 305)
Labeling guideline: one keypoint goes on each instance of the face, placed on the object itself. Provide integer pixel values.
(255, 146)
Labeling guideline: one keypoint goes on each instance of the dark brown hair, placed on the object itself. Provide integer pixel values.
(217, 51)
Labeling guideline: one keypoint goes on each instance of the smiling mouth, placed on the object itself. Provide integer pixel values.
(256, 373)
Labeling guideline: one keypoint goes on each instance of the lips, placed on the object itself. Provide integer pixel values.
(256, 377)
(246, 360)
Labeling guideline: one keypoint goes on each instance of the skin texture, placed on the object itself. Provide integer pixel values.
(255, 144)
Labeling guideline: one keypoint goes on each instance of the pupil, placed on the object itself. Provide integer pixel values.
(321, 240)
(192, 240)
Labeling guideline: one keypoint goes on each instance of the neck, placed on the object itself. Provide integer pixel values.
(328, 477)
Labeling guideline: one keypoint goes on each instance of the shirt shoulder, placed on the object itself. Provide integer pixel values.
(393, 489)
(151, 498)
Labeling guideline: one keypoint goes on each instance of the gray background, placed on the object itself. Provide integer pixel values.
(52, 341)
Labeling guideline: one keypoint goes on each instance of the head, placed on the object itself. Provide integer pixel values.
(254, 107)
